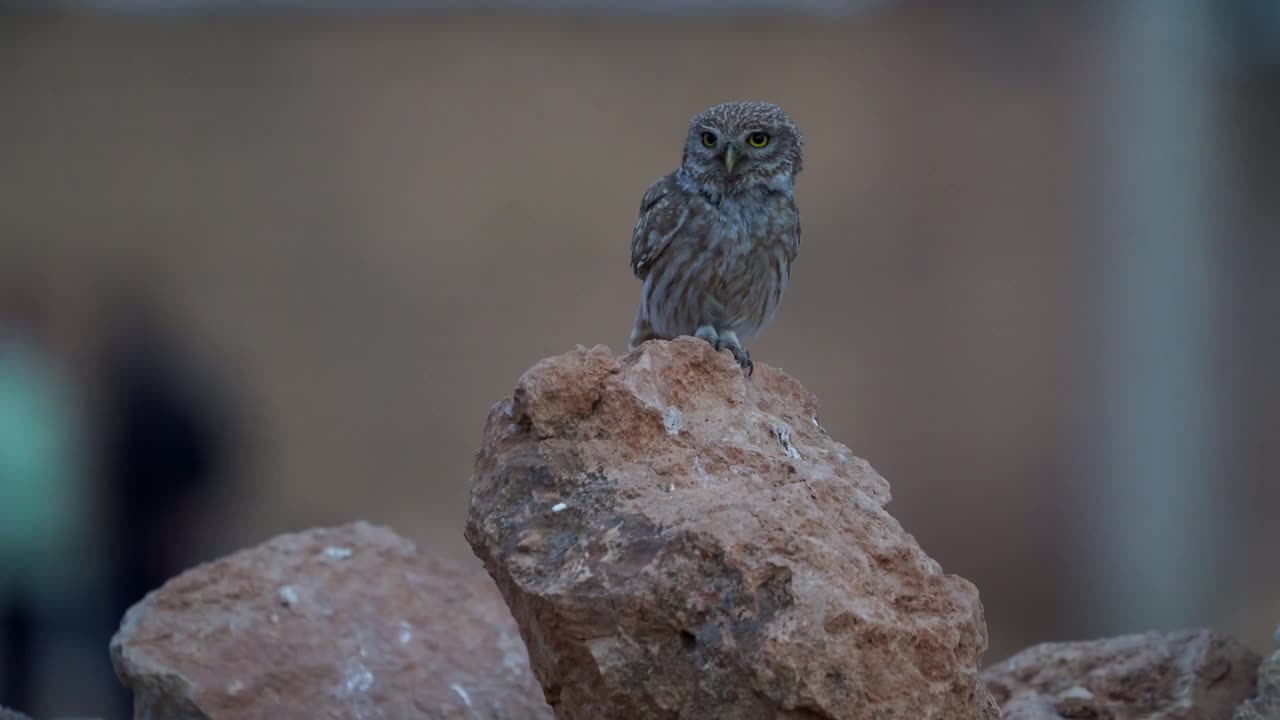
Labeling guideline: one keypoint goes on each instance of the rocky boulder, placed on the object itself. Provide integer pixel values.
(348, 622)
(679, 540)
(1188, 675)
(1266, 705)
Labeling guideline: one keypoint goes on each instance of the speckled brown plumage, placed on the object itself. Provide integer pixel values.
(716, 238)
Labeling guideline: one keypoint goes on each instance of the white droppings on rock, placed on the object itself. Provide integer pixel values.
(783, 434)
(337, 553)
(406, 633)
(558, 507)
(1076, 693)
(462, 693)
(288, 595)
(672, 420)
(358, 678)
(234, 687)
(275, 618)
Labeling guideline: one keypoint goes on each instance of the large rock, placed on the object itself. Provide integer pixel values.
(1266, 706)
(348, 622)
(7, 714)
(677, 540)
(1187, 675)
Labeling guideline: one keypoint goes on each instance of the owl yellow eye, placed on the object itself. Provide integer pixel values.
(709, 139)
(758, 140)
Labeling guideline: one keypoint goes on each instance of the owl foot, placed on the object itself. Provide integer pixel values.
(708, 333)
(729, 340)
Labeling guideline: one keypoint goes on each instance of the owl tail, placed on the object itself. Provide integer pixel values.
(641, 332)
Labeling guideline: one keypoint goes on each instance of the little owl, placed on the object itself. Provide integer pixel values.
(716, 238)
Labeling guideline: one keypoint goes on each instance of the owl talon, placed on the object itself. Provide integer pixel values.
(708, 333)
(728, 340)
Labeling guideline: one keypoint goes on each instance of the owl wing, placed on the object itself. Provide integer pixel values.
(662, 214)
(791, 231)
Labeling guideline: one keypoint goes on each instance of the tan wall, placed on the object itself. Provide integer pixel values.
(375, 225)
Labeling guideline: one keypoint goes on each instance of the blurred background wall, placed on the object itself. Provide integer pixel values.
(266, 265)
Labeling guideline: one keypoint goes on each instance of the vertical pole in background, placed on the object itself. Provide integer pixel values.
(1156, 497)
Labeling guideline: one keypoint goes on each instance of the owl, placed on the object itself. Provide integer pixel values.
(716, 238)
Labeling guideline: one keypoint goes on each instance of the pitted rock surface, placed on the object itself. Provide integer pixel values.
(1187, 675)
(678, 540)
(346, 622)
(1265, 705)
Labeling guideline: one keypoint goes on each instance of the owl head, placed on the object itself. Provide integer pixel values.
(740, 145)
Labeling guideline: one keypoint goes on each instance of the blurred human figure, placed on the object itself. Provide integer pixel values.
(163, 446)
(43, 499)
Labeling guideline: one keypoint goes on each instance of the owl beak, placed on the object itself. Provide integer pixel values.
(730, 158)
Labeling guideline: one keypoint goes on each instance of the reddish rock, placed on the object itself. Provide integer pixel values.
(679, 540)
(1188, 675)
(348, 622)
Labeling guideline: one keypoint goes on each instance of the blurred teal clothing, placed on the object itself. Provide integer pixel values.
(41, 486)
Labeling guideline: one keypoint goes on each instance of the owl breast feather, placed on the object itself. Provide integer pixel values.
(727, 268)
